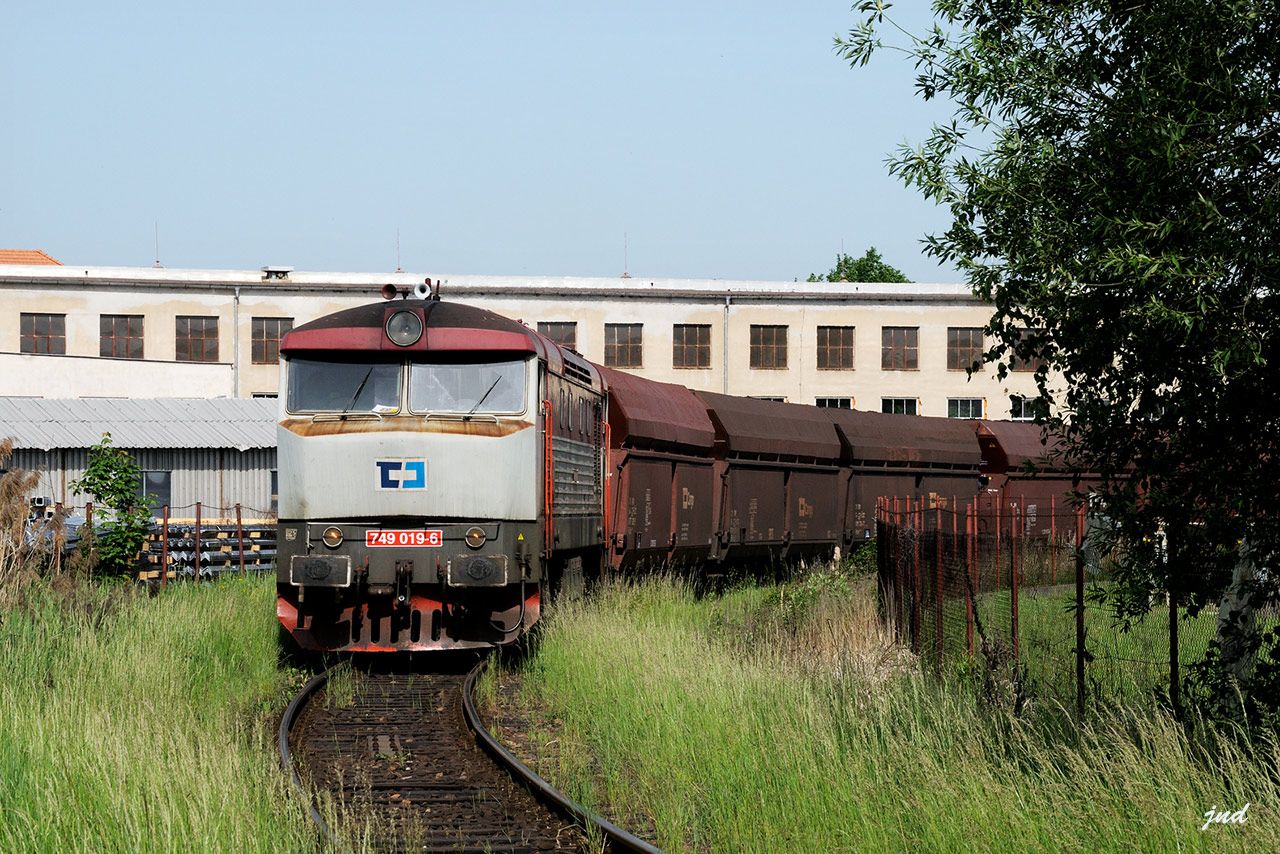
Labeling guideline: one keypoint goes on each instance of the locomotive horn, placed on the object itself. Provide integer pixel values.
(422, 290)
(388, 292)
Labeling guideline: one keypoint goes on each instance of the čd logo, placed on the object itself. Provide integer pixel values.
(401, 474)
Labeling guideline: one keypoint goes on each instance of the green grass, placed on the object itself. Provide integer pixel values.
(144, 724)
(751, 723)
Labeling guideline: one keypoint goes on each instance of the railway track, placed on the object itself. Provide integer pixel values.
(409, 763)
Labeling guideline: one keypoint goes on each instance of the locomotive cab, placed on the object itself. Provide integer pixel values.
(410, 490)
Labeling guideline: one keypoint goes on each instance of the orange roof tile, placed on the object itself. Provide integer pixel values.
(27, 256)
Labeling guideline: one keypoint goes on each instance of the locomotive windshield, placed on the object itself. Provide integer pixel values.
(488, 387)
(343, 386)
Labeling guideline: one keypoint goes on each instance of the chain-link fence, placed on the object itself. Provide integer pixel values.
(1020, 602)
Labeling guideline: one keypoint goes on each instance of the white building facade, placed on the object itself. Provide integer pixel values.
(70, 331)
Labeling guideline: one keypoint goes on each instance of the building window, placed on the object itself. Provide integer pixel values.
(964, 407)
(267, 332)
(769, 397)
(768, 347)
(899, 348)
(622, 345)
(121, 336)
(834, 403)
(197, 339)
(1022, 409)
(835, 348)
(691, 345)
(45, 334)
(964, 347)
(563, 332)
(265, 395)
(155, 487)
(1018, 364)
(899, 405)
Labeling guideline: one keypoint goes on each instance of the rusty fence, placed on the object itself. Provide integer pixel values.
(1018, 600)
(190, 541)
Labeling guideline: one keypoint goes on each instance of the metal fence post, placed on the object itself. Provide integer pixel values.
(970, 530)
(1080, 613)
(1175, 680)
(88, 534)
(914, 514)
(240, 538)
(937, 592)
(197, 532)
(1053, 542)
(164, 546)
(1015, 524)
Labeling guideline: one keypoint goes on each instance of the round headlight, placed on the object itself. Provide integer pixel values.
(475, 537)
(404, 328)
(332, 536)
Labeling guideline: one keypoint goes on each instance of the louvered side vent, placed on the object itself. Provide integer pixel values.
(575, 371)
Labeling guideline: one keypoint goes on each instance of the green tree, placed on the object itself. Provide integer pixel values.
(121, 518)
(869, 268)
(1112, 171)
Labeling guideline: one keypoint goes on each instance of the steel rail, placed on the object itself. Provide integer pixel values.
(619, 839)
(286, 757)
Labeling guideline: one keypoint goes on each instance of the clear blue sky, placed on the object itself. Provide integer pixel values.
(727, 139)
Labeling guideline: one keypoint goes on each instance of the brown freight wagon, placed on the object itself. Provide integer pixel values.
(902, 456)
(779, 480)
(661, 496)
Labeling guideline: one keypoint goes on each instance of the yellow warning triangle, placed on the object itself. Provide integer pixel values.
(519, 538)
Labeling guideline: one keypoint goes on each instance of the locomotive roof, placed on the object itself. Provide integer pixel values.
(447, 327)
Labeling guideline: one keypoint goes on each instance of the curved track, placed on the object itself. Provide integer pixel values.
(402, 756)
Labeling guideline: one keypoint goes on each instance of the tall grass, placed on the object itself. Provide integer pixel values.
(761, 722)
(135, 724)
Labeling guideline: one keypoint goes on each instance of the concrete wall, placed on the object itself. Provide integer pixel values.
(729, 307)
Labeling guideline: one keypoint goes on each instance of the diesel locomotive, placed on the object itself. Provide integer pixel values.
(443, 470)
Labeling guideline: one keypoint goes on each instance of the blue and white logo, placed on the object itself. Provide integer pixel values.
(400, 474)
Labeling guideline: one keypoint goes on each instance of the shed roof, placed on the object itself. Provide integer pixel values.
(47, 423)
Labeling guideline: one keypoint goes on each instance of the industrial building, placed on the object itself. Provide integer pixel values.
(139, 332)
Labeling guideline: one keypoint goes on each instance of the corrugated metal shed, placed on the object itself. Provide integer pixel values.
(46, 424)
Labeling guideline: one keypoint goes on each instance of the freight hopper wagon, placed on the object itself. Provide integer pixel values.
(440, 468)
(701, 479)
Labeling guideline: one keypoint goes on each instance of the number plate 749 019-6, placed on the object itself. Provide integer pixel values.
(384, 538)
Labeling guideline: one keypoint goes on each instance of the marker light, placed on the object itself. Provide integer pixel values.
(404, 328)
(475, 537)
(332, 536)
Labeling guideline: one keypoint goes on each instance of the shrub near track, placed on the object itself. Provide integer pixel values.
(784, 719)
(144, 724)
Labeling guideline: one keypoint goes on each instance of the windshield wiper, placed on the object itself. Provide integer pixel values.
(359, 389)
(473, 409)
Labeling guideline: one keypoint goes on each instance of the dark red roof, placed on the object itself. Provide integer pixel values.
(1008, 446)
(877, 439)
(446, 326)
(644, 413)
(769, 429)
